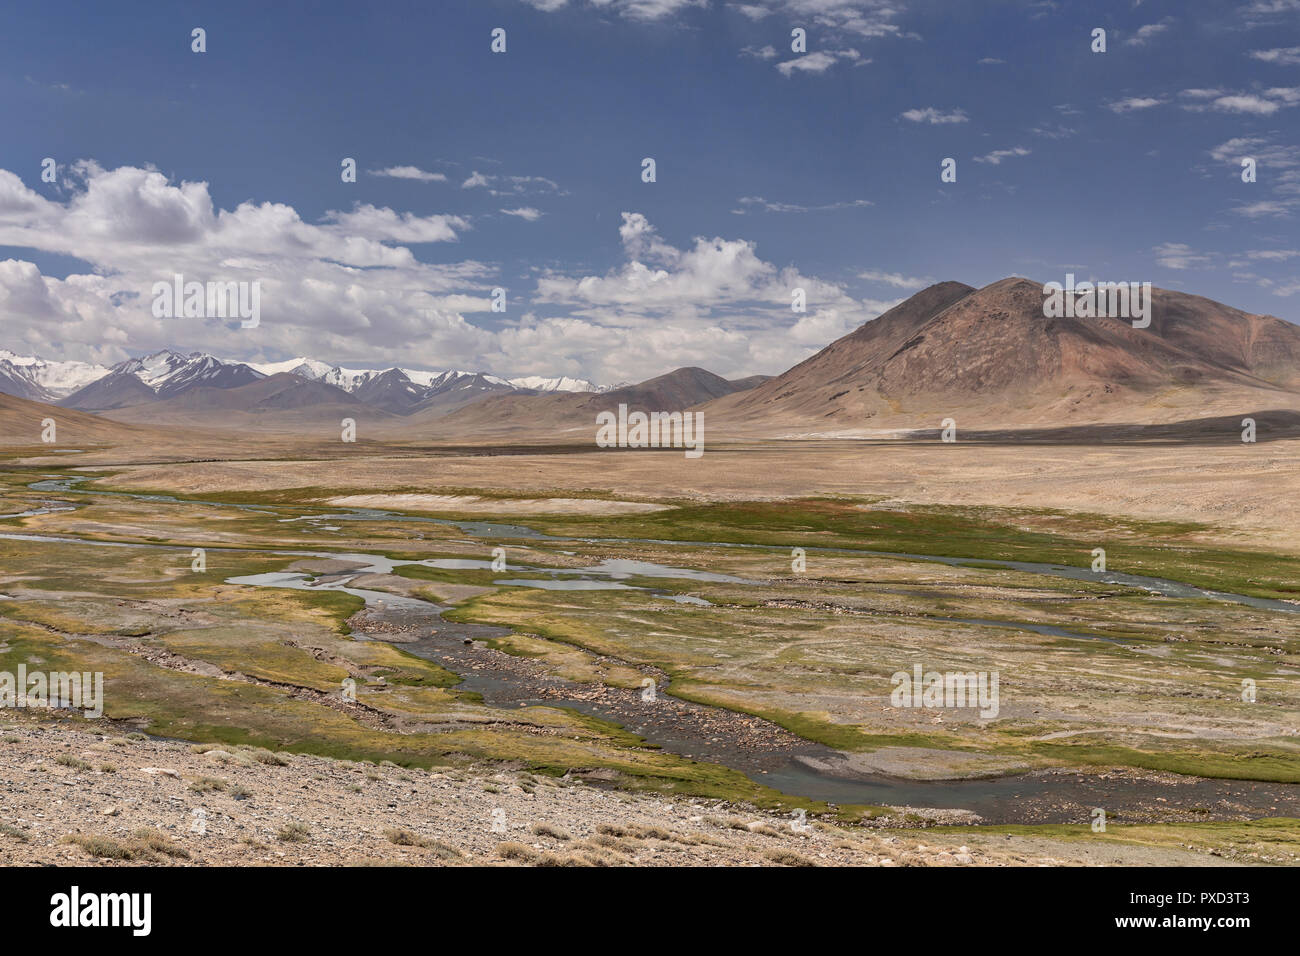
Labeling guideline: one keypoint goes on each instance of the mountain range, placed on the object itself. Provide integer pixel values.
(170, 373)
(988, 358)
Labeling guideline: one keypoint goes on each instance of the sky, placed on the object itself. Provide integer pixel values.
(775, 169)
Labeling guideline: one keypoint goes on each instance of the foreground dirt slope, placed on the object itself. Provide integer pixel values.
(61, 804)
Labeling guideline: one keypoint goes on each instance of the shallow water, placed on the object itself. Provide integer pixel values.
(1043, 797)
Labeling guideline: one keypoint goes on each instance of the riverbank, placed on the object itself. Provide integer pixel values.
(73, 797)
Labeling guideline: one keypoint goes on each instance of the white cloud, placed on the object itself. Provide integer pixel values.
(347, 288)
(648, 10)
(1258, 148)
(1282, 56)
(895, 279)
(527, 213)
(769, 206)
(1145, 33)
(864, 18)
(409, 172)
(342, 286)
(1246, 104)
(1265, 208)
(1178, 255)
(1263, 103)
(995, 158)
(836, 19)
(1132, 103)
(930, 114)
(502, 185)
(819, 62)
(713, 303)
(384, 224)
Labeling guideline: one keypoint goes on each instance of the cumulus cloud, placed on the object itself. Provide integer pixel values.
(527, 213)
(713, 302)
(342, 286)
(349, 288)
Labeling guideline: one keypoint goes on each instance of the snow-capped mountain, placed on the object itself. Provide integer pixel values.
(537, 383)
(28, 376)
(161, 375)
(169, 373)
(348, 379)
(352, 379)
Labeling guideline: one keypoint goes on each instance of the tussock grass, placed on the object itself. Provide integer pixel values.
(294, 833)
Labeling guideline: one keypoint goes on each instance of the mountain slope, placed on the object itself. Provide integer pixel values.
(990, 358)
(279, 403)
(20, 424)
(674, 391)
(163, 374)
(33, 378)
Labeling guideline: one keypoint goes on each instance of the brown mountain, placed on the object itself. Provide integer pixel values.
(280, 403)
(989, 358)
(20, 424)
(563, 411)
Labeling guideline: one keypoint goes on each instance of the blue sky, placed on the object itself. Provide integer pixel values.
(522, 170)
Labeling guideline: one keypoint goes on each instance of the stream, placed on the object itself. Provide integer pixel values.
(764, 752)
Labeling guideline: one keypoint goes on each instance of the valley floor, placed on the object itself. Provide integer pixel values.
(500, 619)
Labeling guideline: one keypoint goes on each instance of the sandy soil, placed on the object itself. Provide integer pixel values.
(1245, 492)
(473, 504)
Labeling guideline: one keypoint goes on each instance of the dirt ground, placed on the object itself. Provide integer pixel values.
(74, 797)
(1246, 492)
